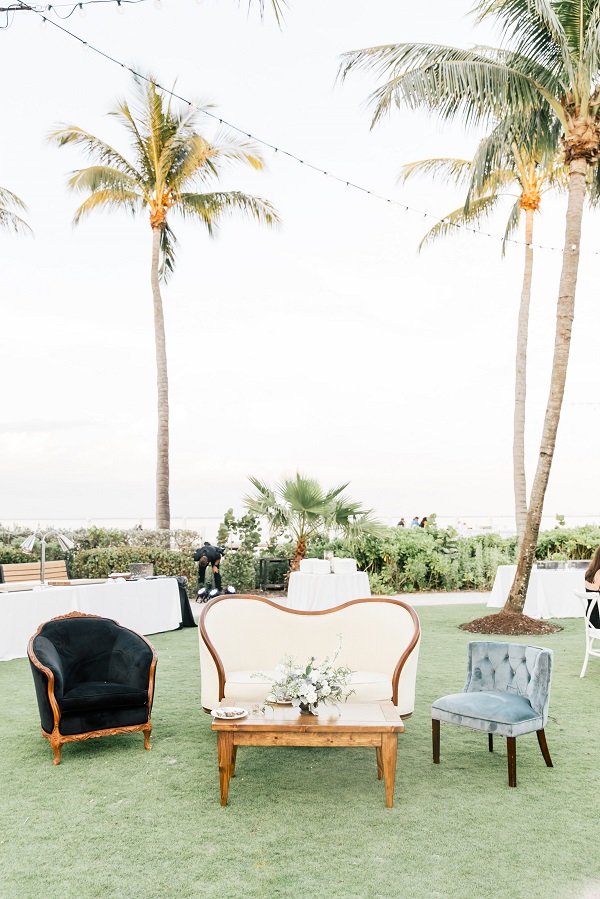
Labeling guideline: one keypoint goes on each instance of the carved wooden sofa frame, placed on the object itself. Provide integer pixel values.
(365, 619)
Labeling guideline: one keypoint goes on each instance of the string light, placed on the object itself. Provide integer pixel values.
(349, 184)
(56, 8)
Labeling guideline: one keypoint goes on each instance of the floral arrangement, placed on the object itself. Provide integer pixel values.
(307, 686)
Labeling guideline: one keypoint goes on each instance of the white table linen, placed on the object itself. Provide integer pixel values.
(312, 592)
(550, 593)
(148, 607)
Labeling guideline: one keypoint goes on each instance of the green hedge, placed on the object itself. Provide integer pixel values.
(569, 543)
(102, 562)
(10, 556)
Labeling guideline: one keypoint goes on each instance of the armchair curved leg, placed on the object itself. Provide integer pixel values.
(544, 747)
(511, 746)
(435, 736)
(147, 731)
(57, 749)
(587, 655)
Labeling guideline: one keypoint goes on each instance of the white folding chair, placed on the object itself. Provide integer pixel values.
(591, 633)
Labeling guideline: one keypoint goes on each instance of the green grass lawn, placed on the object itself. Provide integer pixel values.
(113, 820)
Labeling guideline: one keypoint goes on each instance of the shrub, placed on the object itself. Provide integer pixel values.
(98, 563)
(569, 543)
(240, 566)
(240, 569)
(10, 556)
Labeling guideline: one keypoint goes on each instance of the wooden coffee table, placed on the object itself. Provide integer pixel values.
(357, 724)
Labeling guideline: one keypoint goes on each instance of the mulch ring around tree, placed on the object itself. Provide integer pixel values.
(510, 624)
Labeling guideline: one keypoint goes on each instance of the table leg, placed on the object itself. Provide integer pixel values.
(389, 751)
(379, 762)
(224, 753)
(233, 758)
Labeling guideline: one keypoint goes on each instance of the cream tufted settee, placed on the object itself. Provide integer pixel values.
(241, 635)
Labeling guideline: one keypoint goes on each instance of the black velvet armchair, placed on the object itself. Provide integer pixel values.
(93, 678)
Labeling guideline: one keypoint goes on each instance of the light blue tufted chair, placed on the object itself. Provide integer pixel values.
(506, 693)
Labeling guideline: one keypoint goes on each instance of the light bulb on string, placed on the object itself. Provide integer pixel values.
(81, 11)
(43, 23)
(120, 8)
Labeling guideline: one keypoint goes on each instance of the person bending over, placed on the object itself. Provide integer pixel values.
(209, 555)
(592, 585)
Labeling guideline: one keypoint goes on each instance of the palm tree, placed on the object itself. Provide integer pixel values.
(9, 219)
(548, 66)
(524, 175)
(170, 162)
(300, 507)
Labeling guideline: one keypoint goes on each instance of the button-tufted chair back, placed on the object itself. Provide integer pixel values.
(511, 668)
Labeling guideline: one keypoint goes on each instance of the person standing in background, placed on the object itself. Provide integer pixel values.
(415, 522)
(423, 522)
(401, 523)
(592, 585)
(209, 555)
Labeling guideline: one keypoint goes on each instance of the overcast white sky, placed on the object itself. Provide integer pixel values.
(329, 346)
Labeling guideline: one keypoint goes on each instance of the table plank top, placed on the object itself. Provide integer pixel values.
(349, 717)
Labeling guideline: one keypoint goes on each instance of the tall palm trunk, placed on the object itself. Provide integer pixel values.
(564, 322)
(163, 512)
(520, 486)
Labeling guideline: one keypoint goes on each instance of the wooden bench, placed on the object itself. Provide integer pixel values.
(31, 571)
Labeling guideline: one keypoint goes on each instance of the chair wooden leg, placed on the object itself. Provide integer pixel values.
(544, 747)
(147, 731)
(57, 749)
(379, 762)
(435, 736)
(491, 742)
(511, 746)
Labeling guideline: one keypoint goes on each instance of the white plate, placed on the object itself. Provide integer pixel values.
(239, 713)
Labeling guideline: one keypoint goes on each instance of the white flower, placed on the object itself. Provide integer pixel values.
(311, 695)
(315, 675)
(325, 689)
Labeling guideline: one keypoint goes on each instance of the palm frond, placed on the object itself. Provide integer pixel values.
(266, 505)
(512, 224)
(229, 147)
(94, 147)
(277, 6)
(211, 208)
(454, 171)
(103, 177)
(536, 29)
(11, 201)
(10, 221)
(107, 199)
(463, 217)
(167, 253)
(448, 80)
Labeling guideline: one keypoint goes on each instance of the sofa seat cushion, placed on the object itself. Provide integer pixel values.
(102, 695)
(368, 686)
(493, 711)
